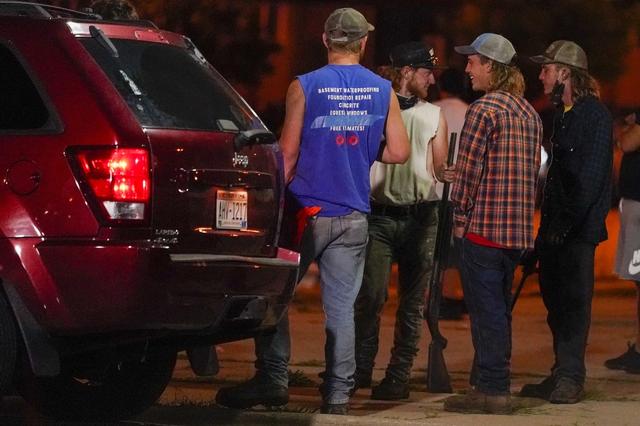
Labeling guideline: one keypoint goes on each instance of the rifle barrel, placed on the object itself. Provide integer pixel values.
(437, 375)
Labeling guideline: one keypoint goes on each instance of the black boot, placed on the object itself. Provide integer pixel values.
(362, 379)
(540, 390)
(390, 389)
(335, 409)
(253, 392)
(630, 360)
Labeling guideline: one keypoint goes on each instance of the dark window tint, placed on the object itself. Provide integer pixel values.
(169, 87)
(21, 107)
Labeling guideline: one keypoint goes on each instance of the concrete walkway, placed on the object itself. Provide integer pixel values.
(613, 397)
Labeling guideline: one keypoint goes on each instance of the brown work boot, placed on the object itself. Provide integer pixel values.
(567, 391)
(476, 402)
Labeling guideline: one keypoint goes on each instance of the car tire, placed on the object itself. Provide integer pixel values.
(118, 390)
(8, 345)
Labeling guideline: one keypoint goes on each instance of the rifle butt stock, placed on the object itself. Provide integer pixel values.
(438, 380)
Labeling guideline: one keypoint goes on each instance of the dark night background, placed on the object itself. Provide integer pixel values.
(259, 46)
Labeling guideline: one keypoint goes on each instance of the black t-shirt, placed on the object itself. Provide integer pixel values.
(630, 172)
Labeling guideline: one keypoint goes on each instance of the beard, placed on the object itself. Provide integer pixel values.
(417, 90)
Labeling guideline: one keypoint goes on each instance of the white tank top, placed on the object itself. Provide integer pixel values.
(414, 181)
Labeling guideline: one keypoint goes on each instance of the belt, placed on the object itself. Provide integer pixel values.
(401, 211)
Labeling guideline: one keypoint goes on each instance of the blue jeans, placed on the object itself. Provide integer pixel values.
(487, 276)
(338, 245)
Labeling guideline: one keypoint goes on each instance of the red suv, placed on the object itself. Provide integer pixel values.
(139, 214)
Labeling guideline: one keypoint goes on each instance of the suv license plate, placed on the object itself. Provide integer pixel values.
(231, 210)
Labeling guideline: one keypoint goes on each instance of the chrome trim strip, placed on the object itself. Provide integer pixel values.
(267, 261)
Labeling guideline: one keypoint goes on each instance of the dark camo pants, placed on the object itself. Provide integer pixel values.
(409, 240)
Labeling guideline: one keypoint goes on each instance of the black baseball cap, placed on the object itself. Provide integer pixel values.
(414, 54)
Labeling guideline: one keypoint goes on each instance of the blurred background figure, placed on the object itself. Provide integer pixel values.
(627, 264)
(114, 10)
(454, 91)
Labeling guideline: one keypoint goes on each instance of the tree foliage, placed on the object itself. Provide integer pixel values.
(228, 32)
(599, 27)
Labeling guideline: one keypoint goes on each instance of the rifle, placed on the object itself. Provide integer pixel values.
(528, 262)
(438, 380)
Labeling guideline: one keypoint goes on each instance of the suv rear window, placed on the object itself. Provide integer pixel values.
(21, 107)
(170, 87)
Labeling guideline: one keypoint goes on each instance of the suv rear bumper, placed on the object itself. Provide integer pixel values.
(85, 288)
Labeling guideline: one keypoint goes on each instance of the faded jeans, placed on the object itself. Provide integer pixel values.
(338, 245)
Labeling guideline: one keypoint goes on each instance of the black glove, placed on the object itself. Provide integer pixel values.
(554, 237)
(557, 232)
(529, 261)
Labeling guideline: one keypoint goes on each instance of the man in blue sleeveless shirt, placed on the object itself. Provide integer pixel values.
(334, 124)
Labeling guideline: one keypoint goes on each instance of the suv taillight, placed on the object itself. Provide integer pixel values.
(119, 179)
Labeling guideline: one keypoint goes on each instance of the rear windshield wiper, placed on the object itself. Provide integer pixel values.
(108, 45)
(191, 47)
(104, 41)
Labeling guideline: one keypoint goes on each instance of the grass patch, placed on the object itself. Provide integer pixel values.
(623, 399)
(311, 363)
(187, 403)
(299, 379)
(530, 411)
(199, 379)
(595, 395)
(300, 409)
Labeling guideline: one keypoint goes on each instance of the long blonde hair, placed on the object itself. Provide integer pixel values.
(505, 77)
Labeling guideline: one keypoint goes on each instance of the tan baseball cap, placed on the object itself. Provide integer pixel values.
(493, 46)
(563, 52)
(346, 24)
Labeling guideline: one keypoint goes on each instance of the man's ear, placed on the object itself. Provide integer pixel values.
(324, 40)
(363, 43)
(564, 74)
(488, 65)
(406, 72)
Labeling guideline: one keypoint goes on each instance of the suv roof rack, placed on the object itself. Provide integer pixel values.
(36, 10)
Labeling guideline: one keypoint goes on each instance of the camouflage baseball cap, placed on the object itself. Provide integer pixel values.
(346, 25)
(563, 52)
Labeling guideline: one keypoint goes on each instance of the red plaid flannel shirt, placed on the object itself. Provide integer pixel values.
(498, 163)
